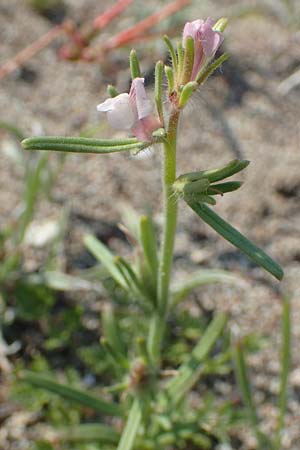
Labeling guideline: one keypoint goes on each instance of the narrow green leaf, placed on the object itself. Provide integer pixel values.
(223, 188)
(211, 68)
(88, 432)
(82, 144)
(285, 367)
(247, 395)
(112, 331)
(159, 68)
(227, 171)
(205, 276)
(103, 254)
(236, 238)
(73, 394)
(132, 425)
(134, 65)
(172, 53)
(244, 383)
(188, 60)
(170, 77)
(60, 281)
(129, 274)
(12, 129)
(149, 244)
(34, 178)
(180, 56)
(190, 372)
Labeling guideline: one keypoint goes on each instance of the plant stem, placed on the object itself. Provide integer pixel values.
(157, 324)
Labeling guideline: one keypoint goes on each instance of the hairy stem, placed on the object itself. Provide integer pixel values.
(157, 324)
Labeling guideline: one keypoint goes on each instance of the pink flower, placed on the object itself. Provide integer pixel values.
(206, 42)
(132, 111)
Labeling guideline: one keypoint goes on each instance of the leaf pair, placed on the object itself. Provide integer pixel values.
(196, 189)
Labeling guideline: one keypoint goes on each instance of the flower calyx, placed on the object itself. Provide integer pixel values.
(203, 186)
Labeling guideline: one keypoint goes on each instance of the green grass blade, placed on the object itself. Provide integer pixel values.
(190, 372)
(205, 276)
(247, 396)
(103, 254)
(82, 144)
(236, 238)
(244, 383)
(103, 434)
(73, 394)
(285, 366)
(132, 425)
(34, 176)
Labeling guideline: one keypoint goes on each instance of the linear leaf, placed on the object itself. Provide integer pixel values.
(190, 372)
(236, 238)
(202, 278)
(149, 244)
(247, 395)
(285, 366)
(132, 425)
(60, 281)
(82, 144)
(73, 394)
(88, 432)
(103, 254)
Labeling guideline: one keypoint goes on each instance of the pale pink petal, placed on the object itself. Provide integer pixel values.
(139, 96)
(120, 113)
(191, 29)
(210, 39)
(144, 128)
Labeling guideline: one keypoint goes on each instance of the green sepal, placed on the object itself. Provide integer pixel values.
(82, 145)
(188, 60)
(209, 69)
(186, 93)
(112, 91)
(134, 65)
(222, 188)
(235, 237)
(214, 175)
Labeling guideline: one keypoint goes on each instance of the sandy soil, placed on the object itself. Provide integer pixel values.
(239, 113)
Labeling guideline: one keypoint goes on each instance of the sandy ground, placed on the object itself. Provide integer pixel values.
(239, 113)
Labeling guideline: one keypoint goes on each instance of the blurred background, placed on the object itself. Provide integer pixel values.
(49, 299)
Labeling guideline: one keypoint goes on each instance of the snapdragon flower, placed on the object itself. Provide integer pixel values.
(206, 42)
(132, 112)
